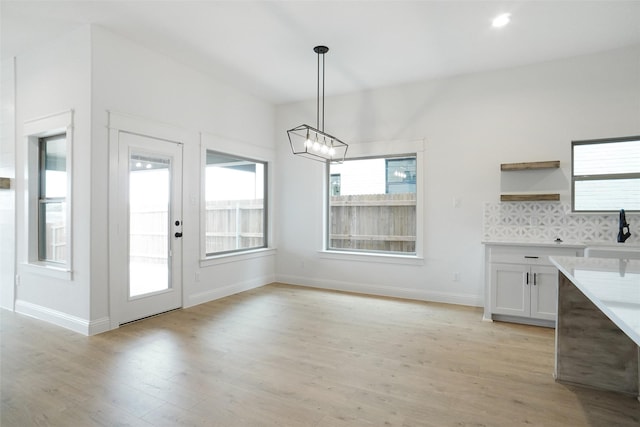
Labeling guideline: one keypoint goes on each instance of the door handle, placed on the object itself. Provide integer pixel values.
(178, 234)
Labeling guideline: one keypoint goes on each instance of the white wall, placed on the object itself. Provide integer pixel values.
(130, 79)
(471, 124)
(52, 79)
(92, 71)
(7, 170)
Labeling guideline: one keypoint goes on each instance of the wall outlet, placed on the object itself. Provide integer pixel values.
(197, 276)
(457, 202)
(17, 280)
(456, 276)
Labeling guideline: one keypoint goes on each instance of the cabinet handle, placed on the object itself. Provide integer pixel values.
(531, 257)
(527, 282)
(534, 279)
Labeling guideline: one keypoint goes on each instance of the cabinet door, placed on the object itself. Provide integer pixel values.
(509, 290)
(544, 292)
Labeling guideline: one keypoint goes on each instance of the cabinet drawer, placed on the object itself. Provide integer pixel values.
(529, 255)
(533, 258)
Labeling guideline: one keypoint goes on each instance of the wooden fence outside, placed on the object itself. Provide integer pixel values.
(149, 236)
(56, 235)
(378, 222)
(233, 224)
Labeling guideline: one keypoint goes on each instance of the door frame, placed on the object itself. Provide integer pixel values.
(118, 123)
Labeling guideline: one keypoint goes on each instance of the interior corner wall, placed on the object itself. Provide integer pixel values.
(51, 79)
(133, 80)
(7, 196)
(470, 124)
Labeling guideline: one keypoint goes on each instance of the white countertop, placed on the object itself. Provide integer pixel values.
(613, 285)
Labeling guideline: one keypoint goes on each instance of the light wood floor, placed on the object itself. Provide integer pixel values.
(292, 356)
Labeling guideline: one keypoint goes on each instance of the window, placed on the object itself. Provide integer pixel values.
(52, 199)
(47, 227)
(606, 174)
(334, 182)
(235, 208)
(372, 205)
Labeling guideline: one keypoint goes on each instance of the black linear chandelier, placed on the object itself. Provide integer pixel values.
(315, 143)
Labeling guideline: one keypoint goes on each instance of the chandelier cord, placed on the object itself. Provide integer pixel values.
(323, 92)
(318, 94)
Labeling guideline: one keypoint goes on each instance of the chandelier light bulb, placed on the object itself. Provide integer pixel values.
(316, 146)
(308, 143)
(332, 151)
(324, 149)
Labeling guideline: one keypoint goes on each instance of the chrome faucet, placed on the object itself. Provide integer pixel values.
(622, 234)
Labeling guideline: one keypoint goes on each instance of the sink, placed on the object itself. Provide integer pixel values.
(612, 250)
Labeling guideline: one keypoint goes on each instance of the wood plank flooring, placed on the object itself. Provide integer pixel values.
(292, 356)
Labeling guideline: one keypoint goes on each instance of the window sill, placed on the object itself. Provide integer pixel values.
(236, 257)
(47, 270)
(372, 257)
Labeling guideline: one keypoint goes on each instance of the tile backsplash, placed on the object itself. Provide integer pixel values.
(546, 221)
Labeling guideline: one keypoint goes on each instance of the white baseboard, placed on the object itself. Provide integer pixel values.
(225, 291)
(99, 326)
(387, 291)
(68, 321)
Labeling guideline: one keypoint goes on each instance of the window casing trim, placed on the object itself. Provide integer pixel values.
(398, 148)
(34, 131)
(229, 257)
(250, 152)
(378, 257)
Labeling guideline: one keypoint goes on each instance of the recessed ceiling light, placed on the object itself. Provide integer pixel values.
(501, 20)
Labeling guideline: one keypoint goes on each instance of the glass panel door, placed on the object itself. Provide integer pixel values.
(149, 213)
(146, 250)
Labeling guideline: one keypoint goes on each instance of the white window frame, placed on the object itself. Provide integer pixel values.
(34, 131)
(381, 149)
(247, 151)
(611, 176)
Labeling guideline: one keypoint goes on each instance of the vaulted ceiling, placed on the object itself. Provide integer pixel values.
(266, 47)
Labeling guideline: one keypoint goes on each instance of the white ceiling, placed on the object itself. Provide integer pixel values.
(266, 47)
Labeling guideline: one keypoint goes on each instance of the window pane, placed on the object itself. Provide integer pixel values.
(607, 158)
(234, 203)
(52, 235)
(616, 165)
(602, 195)
(52, 232)
(372, 205)
(55, 167)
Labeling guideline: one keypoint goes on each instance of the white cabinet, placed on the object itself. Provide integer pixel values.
(521, 283)
(524, 290)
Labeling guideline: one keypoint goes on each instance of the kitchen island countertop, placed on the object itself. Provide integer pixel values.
(613, 285)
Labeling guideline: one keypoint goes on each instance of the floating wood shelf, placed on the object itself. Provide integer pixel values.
(5, 183)
(552, 164)
(551, 197)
